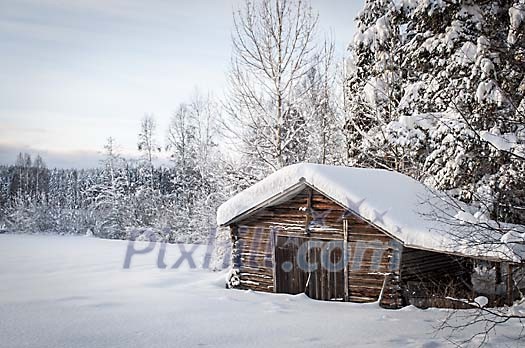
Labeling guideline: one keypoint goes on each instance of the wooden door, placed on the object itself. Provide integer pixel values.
(323, 279)
(290, 278)
(327, 271)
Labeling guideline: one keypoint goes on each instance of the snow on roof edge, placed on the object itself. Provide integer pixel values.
(273, 200)
(393, 202)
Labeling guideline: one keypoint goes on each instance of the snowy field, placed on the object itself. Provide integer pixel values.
(73, 292)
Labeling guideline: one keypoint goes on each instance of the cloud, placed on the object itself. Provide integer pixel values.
(80, 159)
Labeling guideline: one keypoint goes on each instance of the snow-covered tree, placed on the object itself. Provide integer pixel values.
(110, 198)
(321, 106)
(147, 143)
(451, 74)
(192, 143)
(373, 87)
(451, 114)
(273, 46)
(148, 146)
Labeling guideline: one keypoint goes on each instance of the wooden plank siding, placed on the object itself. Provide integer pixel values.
(327, 280)
(429, 278)
(290, 277)
(372, 267)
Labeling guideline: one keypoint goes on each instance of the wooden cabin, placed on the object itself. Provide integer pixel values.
(349, 234)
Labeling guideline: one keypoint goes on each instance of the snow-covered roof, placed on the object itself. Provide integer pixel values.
(399, 205)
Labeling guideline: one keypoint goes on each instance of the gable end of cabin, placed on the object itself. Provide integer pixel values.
(311, 244)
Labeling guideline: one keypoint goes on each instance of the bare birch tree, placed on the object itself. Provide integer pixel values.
(192, 142)
(273, 49)
(146, 143)
(322, 108)
(206, 114)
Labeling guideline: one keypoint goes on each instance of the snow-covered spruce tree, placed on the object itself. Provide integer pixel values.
(26, 206)
(456, 112)
(5, 179)
(110, 198)
(61, 197)
(29, 178)
(21, 216)
(373, 87)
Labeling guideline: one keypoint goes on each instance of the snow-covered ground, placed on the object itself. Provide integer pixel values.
(74, 292)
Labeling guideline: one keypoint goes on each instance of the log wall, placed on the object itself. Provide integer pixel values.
(372, 256)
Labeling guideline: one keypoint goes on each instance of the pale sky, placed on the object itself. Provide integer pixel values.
(75, 72)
